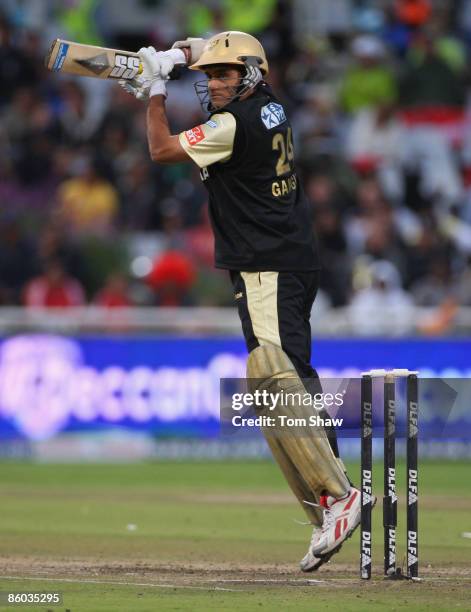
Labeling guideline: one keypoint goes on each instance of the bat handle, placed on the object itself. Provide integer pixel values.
(176, 72)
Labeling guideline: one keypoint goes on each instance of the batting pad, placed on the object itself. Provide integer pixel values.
(306, 448)
(298, 485)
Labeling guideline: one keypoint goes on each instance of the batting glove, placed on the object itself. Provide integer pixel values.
(194, 47)
(157, 67)
(160, 63)
(139, 87)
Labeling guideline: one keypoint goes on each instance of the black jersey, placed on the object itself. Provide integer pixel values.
(260, 216)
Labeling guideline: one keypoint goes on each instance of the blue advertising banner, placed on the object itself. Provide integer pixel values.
(170, 386)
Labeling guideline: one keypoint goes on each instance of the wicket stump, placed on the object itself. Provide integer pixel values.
(389, 472)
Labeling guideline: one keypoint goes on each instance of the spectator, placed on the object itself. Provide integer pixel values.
(172, 278)
(29, 130)
(434, 288)
(427, 246)
(200, 241)
(211, 286)
(462, 287)
(140, 209)
(369, 81)
(375, 139)
(383, 307)
(54, 244)
(27, 115)
(431, 175)
(17, 260)
(88, 203)
(395, 34)
(78, 120)
(429, 82)
(115, 293)
(335, 277)
(413, 13)
(53, 289)
(316, 125)
(16, 69)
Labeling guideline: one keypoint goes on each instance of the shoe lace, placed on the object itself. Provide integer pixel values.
(315, 532)
(316, 528)
(329, 520)
(304, 523)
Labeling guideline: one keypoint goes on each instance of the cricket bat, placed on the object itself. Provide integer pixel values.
(89, 60)
(99, 62)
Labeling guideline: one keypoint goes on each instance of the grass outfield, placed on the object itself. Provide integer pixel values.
(210, 537)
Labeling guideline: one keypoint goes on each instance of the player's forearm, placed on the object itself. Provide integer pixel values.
(163, 147)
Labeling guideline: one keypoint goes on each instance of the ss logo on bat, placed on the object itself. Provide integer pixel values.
(126, 67)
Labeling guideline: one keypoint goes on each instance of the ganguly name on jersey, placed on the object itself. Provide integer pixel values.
(284, 186)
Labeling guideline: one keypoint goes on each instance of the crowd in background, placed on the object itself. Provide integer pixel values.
(382, 121)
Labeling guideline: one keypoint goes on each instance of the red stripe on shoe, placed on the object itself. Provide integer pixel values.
(338, 528)
(351, 500)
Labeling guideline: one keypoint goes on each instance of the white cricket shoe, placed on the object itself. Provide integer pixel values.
(311, 562)
(341, 518)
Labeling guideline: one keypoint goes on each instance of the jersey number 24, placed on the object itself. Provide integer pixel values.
(284, 144)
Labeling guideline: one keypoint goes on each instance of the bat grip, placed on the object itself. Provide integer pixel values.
(176, 72)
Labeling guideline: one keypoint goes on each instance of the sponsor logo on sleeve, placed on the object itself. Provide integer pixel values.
(195, 135)
(272, 115)
(211, 123)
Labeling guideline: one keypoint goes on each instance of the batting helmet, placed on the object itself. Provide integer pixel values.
(232, 48)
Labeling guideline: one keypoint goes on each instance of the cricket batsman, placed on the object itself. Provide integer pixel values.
(264, 238)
